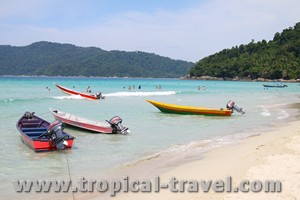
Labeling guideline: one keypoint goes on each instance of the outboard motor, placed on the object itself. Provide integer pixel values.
(116, 125)
(231, 106)
(55, 130)
(99, 95)
(29, 115)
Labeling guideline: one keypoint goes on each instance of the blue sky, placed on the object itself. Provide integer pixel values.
(179, 29)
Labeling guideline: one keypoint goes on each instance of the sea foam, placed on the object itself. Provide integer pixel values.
(69, 97)
(283, 115)
(127, 94)
(265, 111)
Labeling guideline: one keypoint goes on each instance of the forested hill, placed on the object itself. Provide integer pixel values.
(276, 59)
(53, 59)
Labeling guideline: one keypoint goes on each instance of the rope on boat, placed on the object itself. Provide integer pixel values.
(45, 113)
(69, 174)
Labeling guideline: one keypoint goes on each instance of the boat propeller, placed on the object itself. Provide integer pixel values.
(116, 125)
(231, 106)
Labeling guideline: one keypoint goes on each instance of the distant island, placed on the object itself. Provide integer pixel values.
(55, 59)
(276, 59)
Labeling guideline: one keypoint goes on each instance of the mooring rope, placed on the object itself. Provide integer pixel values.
(45, 113)
(69, 174)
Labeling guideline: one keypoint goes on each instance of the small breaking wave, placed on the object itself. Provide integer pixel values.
(116, 94)
(208, 144)
(8, 100)
(22, 100)
(195, 148)
(283, 115)
(265, 111)
(128, 94)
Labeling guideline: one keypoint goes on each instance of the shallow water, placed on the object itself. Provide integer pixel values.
(152, 133)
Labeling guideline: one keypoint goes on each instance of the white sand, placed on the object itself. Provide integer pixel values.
(274, 155)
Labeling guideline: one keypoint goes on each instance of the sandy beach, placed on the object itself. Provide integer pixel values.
(273, 155)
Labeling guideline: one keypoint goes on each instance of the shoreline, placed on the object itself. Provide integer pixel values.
(265, 156)
(203, 78)
(242, 79)
(236, 160)
(258, 156)
(271, 155)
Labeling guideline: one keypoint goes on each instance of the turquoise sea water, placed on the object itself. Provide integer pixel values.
(152, 133)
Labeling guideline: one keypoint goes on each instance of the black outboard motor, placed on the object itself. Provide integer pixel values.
(231, 106)
(29, 115)
(116, 125)
(55, 130)
(99, 95)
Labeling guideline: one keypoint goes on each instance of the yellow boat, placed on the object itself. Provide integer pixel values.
(178, 109)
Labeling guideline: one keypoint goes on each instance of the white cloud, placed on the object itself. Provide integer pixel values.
(199, 31)
(189, 34)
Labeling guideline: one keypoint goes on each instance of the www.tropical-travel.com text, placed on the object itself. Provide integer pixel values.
(146, 185)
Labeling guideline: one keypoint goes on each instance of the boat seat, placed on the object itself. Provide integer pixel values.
(31, 125)
(34, 134)
(31, 120)
(34, 129)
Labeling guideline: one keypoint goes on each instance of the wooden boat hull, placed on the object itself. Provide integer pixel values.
(43, 144)
(178, 109)
(31, 129)
(79, 122)
(73, 92)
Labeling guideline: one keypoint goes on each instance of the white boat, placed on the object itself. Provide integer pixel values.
(114, 125)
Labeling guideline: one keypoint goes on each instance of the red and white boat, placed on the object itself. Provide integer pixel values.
(40, 135)
(114, 125)
(96, 96)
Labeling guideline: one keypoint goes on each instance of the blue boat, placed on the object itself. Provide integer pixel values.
(275, 86)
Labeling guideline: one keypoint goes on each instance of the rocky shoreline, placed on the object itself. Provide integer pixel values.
(187, 77)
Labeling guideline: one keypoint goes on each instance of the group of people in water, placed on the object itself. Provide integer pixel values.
(203, 88)
(133, 87)
(158, 87)
(88, 89)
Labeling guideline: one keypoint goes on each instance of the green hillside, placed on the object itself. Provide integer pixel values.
(53, 59)
(276, 59)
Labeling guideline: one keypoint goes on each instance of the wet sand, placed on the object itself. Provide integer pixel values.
(274, 155)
